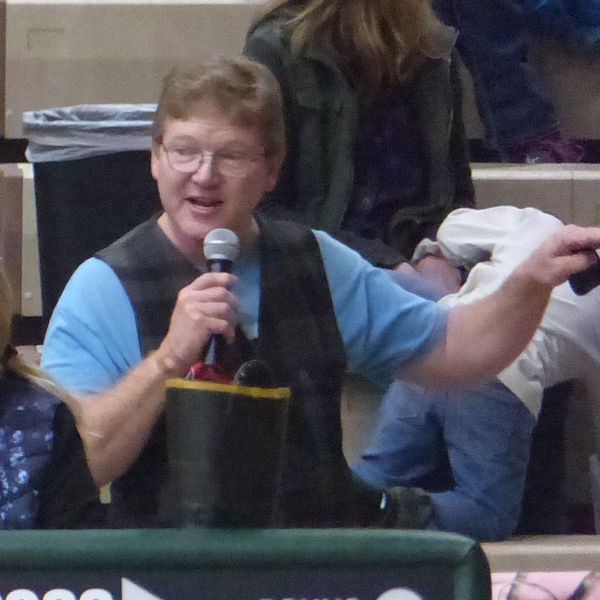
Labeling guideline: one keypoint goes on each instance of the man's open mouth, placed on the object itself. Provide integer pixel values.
(204, 202)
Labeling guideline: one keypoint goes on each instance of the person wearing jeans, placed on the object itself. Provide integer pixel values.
(469, 447)
(519, 118)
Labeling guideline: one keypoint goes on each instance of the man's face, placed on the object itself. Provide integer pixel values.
(210, 196)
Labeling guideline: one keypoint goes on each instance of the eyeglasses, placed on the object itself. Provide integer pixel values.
(232, 163)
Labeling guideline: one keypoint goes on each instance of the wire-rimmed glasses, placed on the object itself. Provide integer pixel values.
(229, 163)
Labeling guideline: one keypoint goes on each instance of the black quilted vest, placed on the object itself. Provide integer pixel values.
(299, 339)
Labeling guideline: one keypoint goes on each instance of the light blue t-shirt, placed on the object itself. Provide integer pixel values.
(92, 339)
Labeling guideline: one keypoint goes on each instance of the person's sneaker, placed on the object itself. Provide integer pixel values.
(555, 151)
(549, 150)
(406, 508)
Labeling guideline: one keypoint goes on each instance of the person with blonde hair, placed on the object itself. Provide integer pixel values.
(377, 153)
(44, 478)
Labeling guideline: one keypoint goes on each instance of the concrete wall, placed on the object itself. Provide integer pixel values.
(62, 53)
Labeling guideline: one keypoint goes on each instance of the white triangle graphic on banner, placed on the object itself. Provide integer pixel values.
(132, 591)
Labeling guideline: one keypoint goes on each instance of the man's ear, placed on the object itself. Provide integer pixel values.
(154, 156)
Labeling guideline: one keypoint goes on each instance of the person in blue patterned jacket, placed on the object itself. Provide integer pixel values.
(44, 478)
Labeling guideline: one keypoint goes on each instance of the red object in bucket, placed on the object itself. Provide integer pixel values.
(209, 372)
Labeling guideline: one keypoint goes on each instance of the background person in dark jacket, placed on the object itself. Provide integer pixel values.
(376, 151)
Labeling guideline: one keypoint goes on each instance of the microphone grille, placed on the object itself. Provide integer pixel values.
(221, 244)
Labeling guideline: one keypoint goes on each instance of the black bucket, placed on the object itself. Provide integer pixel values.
(225, 448)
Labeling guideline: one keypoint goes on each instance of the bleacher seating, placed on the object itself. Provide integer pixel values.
(67, 53)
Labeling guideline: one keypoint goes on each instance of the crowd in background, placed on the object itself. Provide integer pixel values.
(354, 129)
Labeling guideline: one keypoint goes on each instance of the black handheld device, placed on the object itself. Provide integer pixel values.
(585, 281)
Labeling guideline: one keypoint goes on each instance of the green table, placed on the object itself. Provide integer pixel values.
(266, 564)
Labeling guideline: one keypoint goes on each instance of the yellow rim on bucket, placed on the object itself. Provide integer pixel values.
(281, 393)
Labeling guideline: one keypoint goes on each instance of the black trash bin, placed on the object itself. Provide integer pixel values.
(92, 183)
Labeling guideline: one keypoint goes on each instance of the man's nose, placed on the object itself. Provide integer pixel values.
(206, 170)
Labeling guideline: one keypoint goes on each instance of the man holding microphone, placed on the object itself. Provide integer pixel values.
(143, 310)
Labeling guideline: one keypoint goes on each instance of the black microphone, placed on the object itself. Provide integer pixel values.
(221, 248)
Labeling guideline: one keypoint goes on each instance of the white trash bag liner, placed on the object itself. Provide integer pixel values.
(87, 130)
